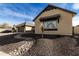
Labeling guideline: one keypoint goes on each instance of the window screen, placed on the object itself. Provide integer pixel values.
(50, 24)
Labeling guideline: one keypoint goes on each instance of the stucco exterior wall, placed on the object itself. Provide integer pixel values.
(76, 30)
(23, 29)
(64, 26)
(27, 28)
(20, 29)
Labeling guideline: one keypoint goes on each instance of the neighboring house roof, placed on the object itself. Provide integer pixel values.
(77, 26)
(25, 24)
(49, 7)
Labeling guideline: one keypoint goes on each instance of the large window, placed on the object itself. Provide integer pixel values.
(50, 24)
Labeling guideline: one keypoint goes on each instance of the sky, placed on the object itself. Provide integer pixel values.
(16, 13)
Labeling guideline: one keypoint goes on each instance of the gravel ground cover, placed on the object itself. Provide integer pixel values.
(8, 44)
(54, 46)
(11, 47)
(64, 46)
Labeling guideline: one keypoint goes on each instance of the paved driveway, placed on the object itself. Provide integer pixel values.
(3, 54)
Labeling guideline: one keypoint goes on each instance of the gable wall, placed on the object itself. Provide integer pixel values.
(64, 25)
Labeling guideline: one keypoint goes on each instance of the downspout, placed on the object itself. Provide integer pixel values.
(73, 27)
(72, 30)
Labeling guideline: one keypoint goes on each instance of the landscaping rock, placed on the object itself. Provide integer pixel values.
(53, 47)
(21, 50)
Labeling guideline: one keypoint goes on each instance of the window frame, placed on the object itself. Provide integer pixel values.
(50, 18)
(48, 29)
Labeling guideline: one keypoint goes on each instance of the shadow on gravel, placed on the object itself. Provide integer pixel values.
(7, 39)
(38, 36)
(77, 39)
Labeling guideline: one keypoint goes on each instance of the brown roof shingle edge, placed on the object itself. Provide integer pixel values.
(52, 17)
(63, 9)
(24, 24)
(54, 7)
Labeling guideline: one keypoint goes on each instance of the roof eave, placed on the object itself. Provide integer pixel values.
(55, 7)
(62, 9)
(40, 13)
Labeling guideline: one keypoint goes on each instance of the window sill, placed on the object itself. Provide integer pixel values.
(50, 29)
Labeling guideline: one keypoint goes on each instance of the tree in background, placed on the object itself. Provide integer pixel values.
(5, 25)
(14, 29)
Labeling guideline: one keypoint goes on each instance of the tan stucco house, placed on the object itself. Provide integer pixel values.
(76, 29)
(54, 20)
(23, 27)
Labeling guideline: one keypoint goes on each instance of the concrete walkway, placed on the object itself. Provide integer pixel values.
(3, 54)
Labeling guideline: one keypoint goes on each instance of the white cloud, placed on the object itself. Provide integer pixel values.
(8, 12)
(4, 11)
(75, 20)
(63, 5)
(75, 6)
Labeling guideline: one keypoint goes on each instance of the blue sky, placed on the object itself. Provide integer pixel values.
(19, 12)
